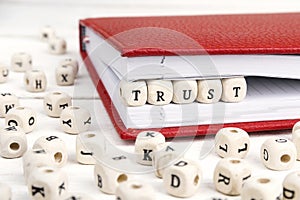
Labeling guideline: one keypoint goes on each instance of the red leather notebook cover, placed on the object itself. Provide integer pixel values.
(217, 34)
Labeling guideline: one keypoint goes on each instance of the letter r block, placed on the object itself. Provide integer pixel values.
(160, 92)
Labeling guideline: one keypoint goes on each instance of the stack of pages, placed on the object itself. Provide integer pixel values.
(263, 48)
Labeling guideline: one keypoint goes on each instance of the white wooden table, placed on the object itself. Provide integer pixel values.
(20, 22)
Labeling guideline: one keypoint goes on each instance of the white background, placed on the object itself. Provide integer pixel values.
(20, 22)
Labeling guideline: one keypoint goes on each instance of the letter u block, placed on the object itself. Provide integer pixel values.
(184, 91)
(183, 178)
(146, 142)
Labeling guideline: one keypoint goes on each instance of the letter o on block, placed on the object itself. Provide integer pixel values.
(232, 142)
(229, 175)
(261, 188)
(145, 144)
(183, 178)
(278, 154)
(23, 117)
(291, 186)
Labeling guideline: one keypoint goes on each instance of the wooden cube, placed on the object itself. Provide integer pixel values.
(7, 102)
(146, 142)
(55, 147)
(232, 142)
(55, 102)
(47, 183)
(183, 178)
(230, 174)
(108, 178)
(21, 62)
(185, 91)
(234, 89)
(133, 93)
(35, 81)
(278, 154)
(135, 190)
(83, 154)
(57, 45)
(65, 75)
(4, 72)
(261, 188)
(209, 91)
(21, 116)
(13, 142)
(47, 33)
(291, 186)
(75, 120)
(160, 92)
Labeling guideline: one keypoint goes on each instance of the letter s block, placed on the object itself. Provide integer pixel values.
(183, 178)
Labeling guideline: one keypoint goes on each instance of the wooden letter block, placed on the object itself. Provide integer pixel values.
(261, 188)
(209, 91)
(23, 117)
(47, 183)
(57, 45)
(65, 75)
(134, 93)
(72, 62)
(13, 142)
(21, 62)
(135, 190)
(75, 120)
(83, 155)
(35, 158)
(234, 89)
(160, 92)
(47, 33)
(184, 91)
(55, 147)
(55, 102)
(35, 81)
(278, 154)
(230, 174)
(7, 102)
(183, 178)
(3, 73)
(291, 186)
(232, 142)
(146, 142)
(108, 178)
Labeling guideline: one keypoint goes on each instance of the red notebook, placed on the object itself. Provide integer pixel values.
(137, 39)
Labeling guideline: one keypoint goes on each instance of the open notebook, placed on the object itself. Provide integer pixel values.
(113, 53)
